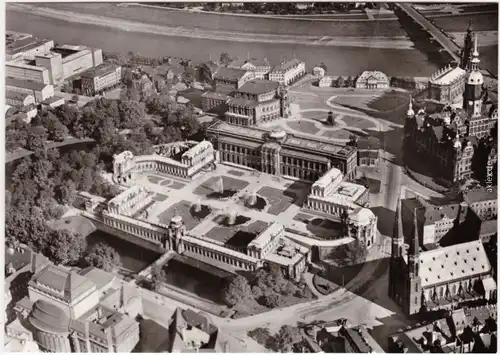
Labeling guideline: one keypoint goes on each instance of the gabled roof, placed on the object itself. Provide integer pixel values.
(286, 66)
(460, 261)
(480, 194)
(232, 74)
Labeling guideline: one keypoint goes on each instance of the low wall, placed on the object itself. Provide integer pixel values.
(150, 245)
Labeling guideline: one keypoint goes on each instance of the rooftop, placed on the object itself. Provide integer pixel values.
(24, 44)
(286, 65)
(15, 95)
(100, 277)
(62, 282)
(443, 265)
(377, 75)
(331, 175)
(480, 194)
(447, 75)
(265, 236)
(291, 141)
(100, 70)
(368, 143)
(258, 86)
(242, 102)
(215, 95)
(232, 74)
(25, 84)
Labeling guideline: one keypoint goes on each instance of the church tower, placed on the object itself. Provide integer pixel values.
(410, 113)
(414, 285)
(396, 266)
(467, 50)
(473, 86)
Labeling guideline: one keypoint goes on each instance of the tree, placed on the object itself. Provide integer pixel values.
(67, 192)
(349, 82)
(37, 136)
(103, 256)
(55, 129)
(224, 59)
(65, 247)
(286, 338)
(323, 65)
(131, 113)
(158, 276)
(237, 290)
(271, 300)
(355, 252)
(340, 82)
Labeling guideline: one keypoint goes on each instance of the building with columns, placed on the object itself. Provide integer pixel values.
(181, 159)
(258, 101)
(279, 153)
(69, 311)
(439, 277)
(344, 202)
(131, 201)
(288, 71)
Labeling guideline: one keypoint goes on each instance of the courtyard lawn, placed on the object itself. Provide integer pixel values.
(279, 200)
(389, 101)
(303, 126)
(236, 172)
(154, 179)
(316, 115)
(236, 236)
(177, 185)
(165, 182)
(159, 197)
(358, 122)
(228, 183)
(337, 134)
(184, 210)
(75, 224)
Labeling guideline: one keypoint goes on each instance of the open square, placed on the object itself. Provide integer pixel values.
(279, 200)
(337, 134)
(358, 122)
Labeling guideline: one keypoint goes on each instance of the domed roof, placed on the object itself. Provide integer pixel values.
(176, 219)
(49, 318)
(361, 216)
(277, 134)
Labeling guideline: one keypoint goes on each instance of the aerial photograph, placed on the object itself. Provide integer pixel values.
(250, 177)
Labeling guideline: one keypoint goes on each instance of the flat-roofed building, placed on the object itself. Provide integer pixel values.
(280, 153)
(18, 99)
(288, 71)
(20, 70)
(53, 102)
(97, 80)
(25, 46)
(40, 91)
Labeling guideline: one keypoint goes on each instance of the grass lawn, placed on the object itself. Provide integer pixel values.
(355, 102)
(184, 209)
(337, 134)
(357, 122)
(228, 183)
(237, 235)
(316, 115)
(165, 182)
(278, 199)
(177, 185)
(236, 172)
(303, 126)
(160, 197)
(75, 224)
(323, 285)
(155, 179)
(389, 101)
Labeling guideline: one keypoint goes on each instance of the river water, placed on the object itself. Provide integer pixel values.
(339, 60)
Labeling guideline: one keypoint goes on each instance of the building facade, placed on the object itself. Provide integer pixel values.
(212, 100)
(260, 68)
(372, 80)
(258, 101)
(25, 46)
(97, 80)
(288, 71)
(194, 156)
(279, 153)
(447, 84)
(18, 99)
(483, 201)
(229, 80)
(21, 71)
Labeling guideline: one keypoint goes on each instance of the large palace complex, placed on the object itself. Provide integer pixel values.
(280, 153)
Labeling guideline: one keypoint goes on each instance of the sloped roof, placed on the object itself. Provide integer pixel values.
(233, 74)
(184, 318)
(62, 282)
(100, 277)
(48, 317)
(286, 66)
(480, 194)
(242, 102)
(258, 86)
(443, 265)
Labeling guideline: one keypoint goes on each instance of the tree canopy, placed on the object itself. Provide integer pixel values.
(237, 290)
(103, 256)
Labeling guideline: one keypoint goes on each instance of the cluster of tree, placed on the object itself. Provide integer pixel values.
(286, 8)
(342, 82)
(408, 83)
(103, 256)
(267, 286)
(158, 277)
(285, 341)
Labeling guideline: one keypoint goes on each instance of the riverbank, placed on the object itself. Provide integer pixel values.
(399, 42)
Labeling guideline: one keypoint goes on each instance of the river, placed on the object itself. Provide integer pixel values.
(339, 60)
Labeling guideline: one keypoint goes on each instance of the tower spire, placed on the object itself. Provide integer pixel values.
(397, 234)
(414, 247)
(410, 112)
